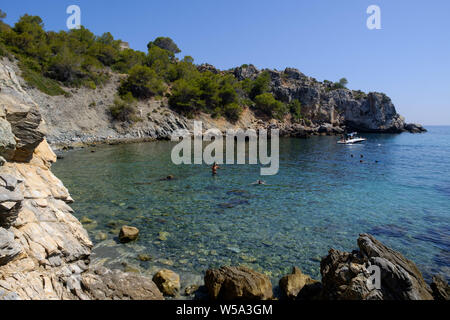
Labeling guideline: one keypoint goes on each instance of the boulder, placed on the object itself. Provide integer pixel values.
(7, 140)
(104, 284)
(10, 200)
(207, 67)
(23, 115)
(349, 276)
(237, 283)
(128, 234)
(440, 288)
(9, 249)
(292, 284)
(415, 128)
(246, 72)
(168, 282)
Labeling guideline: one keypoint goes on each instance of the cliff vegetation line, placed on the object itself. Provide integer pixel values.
(78, 58)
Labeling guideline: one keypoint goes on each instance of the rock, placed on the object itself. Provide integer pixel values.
(9, 249)
(168, 282)
(163, 236)
(7, 140)
(128, 234)
(415, 128)
(10, 200)
(86, 220)
(104, 284)
(237, 283)
(2, 161)
(347, 276)
(144, 257)
(207, 67)
(22, 114)
(291, 285)
(246, 72)
(190, 290)
(7, 181)
(440, 288)
(101, 236)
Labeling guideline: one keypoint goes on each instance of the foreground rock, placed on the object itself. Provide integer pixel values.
(104, 284)
(345, 276)
(440, 288)
(168, 282)
(237, 283)
(299, 286)
(128, 234)
(21, 119)
(44, 250)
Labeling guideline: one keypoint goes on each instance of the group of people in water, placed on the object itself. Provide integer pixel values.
(215, 166)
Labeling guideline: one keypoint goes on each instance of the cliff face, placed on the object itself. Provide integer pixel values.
(322, 104)
(44, 250)
(83, 116)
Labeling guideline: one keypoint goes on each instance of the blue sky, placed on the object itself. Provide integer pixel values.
(409, 58)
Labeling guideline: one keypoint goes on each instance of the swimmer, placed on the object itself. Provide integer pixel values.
(214, 168)
(259, 182)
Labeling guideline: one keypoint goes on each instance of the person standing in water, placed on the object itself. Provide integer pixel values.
(214, 168)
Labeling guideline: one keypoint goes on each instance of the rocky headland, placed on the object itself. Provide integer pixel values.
(82, 116)
(45, 253)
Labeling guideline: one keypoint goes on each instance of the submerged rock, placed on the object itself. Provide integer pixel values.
(237, 283)
(168, 282)
(347, 276)
(190, 290)
(128, 234)
(291, 285)
(144, 257)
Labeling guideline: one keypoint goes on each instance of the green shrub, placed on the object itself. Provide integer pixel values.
(185, 97)
(295, 108)
(260, 85)
(267, 104)
(142, 83)
(37, 80)
(123, 109)
(359, 95)
(232, 111)
(164, 43)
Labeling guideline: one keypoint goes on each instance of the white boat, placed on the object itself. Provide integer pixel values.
(351, 138)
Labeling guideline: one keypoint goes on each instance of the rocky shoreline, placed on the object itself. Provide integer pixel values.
(45, 253)
(82, 116)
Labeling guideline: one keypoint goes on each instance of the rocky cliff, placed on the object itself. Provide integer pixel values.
(44, 250)
(325, 105)
(82, 116)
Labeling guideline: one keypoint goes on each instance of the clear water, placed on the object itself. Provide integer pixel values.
(321, 198)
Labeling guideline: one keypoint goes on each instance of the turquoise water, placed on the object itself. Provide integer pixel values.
(321, 198)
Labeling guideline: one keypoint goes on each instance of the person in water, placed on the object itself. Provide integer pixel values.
(214, 168)
(259, 182)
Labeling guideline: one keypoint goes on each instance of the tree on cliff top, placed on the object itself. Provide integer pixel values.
(165, 43)
(342, 84)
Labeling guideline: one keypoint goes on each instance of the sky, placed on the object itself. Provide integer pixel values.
(408, 58)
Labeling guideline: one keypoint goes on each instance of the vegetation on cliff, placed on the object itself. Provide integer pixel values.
(75, 58)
